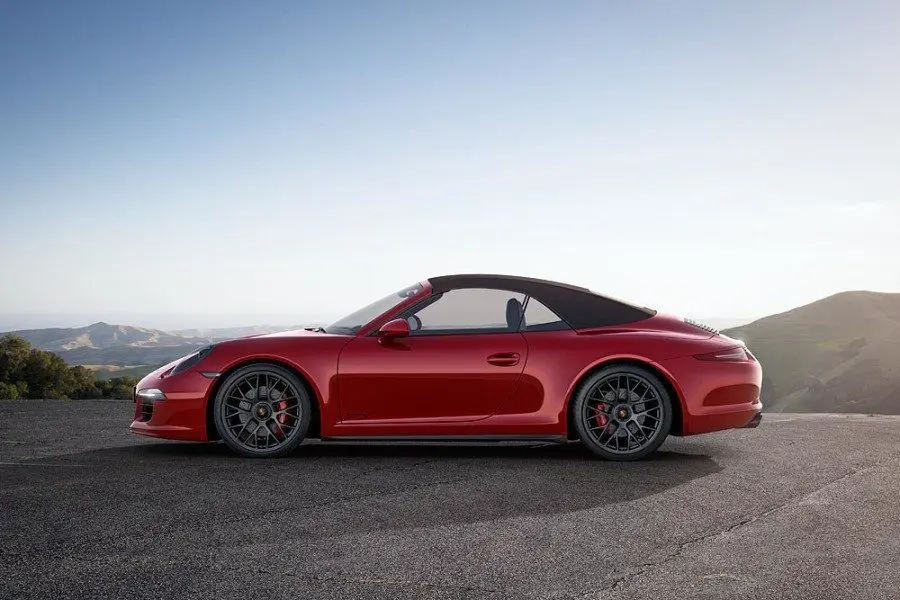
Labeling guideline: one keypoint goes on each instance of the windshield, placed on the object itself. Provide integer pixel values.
(352, 323)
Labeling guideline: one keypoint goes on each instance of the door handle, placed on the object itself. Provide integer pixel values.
(504, 359)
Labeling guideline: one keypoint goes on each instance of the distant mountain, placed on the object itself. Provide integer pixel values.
(108, 349)
(101, 336)
(839, 354)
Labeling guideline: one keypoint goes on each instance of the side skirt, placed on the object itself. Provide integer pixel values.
(445, 439)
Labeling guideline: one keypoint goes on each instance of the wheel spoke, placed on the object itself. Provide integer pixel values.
(597, 411)
(644, 395)
(623, 401)
(252, 412)
(244, 427)
(644, 410)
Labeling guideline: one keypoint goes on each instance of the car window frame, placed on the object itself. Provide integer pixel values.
(371, 328)
(558, 325)
(432, 298)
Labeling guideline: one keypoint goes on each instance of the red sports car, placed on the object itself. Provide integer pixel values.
(465, 358)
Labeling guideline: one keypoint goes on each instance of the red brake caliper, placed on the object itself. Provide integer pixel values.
(283, 419)
(601, 418)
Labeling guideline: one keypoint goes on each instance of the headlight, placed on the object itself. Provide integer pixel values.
(190, 360)
(151, 394)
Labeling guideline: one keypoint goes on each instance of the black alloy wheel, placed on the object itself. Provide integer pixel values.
(262, 411)
(622, 412)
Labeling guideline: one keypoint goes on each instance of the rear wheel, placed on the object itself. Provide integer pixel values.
(622, 412)
(262, 411)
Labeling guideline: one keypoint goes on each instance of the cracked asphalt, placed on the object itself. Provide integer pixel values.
(802, 507)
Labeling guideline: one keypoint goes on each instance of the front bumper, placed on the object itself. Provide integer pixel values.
(182, 415)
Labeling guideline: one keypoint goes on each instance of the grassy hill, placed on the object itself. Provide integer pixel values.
(108, 349)
(101, 336)
(839, 354)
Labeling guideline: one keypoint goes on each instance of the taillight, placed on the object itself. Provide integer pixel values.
(736, 354)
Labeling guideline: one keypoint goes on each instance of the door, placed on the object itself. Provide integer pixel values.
(463, 358)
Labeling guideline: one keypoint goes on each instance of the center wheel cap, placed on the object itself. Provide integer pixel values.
(622, 412)
(262, 411)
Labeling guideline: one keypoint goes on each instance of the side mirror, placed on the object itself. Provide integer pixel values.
(393, 330)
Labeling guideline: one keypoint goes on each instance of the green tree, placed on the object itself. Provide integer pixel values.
(29, 373)
(14, 353)
(47, 376)
(85, 384)
(8, 391)
(121, 387)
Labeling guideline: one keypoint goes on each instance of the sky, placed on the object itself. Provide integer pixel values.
(224, 163)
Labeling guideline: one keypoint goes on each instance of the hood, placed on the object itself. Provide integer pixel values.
(295, 333)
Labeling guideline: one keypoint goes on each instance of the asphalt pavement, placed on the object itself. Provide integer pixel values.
(805, 506)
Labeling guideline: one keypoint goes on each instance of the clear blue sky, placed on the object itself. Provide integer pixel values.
(301, 158)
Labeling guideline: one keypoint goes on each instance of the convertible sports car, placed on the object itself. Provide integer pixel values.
(463, 357)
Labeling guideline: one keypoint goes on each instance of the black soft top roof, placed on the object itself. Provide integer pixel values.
(577, 306)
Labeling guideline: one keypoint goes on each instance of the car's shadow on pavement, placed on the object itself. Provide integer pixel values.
(365, 451)
(334, 489)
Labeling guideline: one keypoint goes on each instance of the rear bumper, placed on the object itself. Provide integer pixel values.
(716, 395)
(754, 422)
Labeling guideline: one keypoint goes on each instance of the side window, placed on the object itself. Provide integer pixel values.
(469, 310)
(540, 318)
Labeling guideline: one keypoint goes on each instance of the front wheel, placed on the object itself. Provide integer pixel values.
(262, 411)
(622, 412)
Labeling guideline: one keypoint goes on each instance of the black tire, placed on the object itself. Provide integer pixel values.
(640, 408)
(265, 397)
